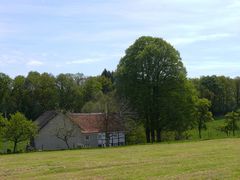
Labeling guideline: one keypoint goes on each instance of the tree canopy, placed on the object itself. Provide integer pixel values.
(19, 129)
(152, 76)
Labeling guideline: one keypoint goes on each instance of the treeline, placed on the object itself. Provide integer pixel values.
(223, 92)
(150, 89)
(36, 93)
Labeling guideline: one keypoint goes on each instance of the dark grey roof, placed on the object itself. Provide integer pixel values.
(42, 120)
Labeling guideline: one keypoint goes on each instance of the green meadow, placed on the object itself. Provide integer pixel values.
(212, 131)
(208, 159)
(218, 158)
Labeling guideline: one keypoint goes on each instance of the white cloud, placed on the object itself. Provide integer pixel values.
(34, 63)
(84, 61)
(197, 38)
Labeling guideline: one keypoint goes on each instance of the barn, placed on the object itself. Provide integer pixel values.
(59, 130)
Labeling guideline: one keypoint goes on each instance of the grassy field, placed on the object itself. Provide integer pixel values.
(211, 159)
(212, 131)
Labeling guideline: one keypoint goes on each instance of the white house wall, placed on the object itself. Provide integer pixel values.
(115, 139)
(47, 140)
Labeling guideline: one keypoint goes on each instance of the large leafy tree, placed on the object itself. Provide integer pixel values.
(19, 129)
(39, 92)
(152, 76)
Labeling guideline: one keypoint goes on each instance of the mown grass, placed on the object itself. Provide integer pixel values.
(210, 159)
(212, 131)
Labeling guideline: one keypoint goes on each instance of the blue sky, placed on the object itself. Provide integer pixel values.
(60, 36)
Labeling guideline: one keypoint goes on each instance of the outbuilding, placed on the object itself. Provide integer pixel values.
(59, 130)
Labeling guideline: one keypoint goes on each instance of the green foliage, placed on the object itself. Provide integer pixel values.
(91, 88)
(203, 114)
(5, 93)
(3, 124)
(107, 74)
(215, 130)
(135, 133)
(106, 84)
(70, 92)
(179, 110)
(232, 119)
(19, 129)
(34, 94)
(102, 103)
(220, 90)
(152, 77)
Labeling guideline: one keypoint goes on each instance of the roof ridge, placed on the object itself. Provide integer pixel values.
(85, 113)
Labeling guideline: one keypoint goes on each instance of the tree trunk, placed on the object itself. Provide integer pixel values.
(200, 132)
(15, 146)
(147, 135)
(152, 135)
(159, 138)
(67, 144)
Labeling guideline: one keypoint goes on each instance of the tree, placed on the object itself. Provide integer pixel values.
(91, 88)
(32, 107)
(220, 90)
(149, 75)
(19, 94)
(106, 83)
(66, 131)
(203, 114)
(39, 92)
(70, 92)
(5, 91)
(19, 129)
(237, 84)
(108, 75)
(232, 119)
(47, 92)
(3, 123)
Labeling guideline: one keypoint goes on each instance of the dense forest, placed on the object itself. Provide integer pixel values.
(37, 93)
(150, 87)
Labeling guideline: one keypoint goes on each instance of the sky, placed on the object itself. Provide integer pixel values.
(86, 36)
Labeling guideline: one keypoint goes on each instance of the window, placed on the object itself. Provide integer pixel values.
(87, 138)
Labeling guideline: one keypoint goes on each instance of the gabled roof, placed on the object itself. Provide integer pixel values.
(87, 122)
(97, 122)
(42, 120)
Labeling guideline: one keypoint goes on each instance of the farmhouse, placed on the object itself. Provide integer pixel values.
(74, 130)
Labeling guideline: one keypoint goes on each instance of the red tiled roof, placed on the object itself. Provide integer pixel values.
(96, 122)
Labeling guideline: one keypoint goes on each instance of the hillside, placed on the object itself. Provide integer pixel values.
(212, 159)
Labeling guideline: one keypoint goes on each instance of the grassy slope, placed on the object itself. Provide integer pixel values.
(212, 159)
(211, 132)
